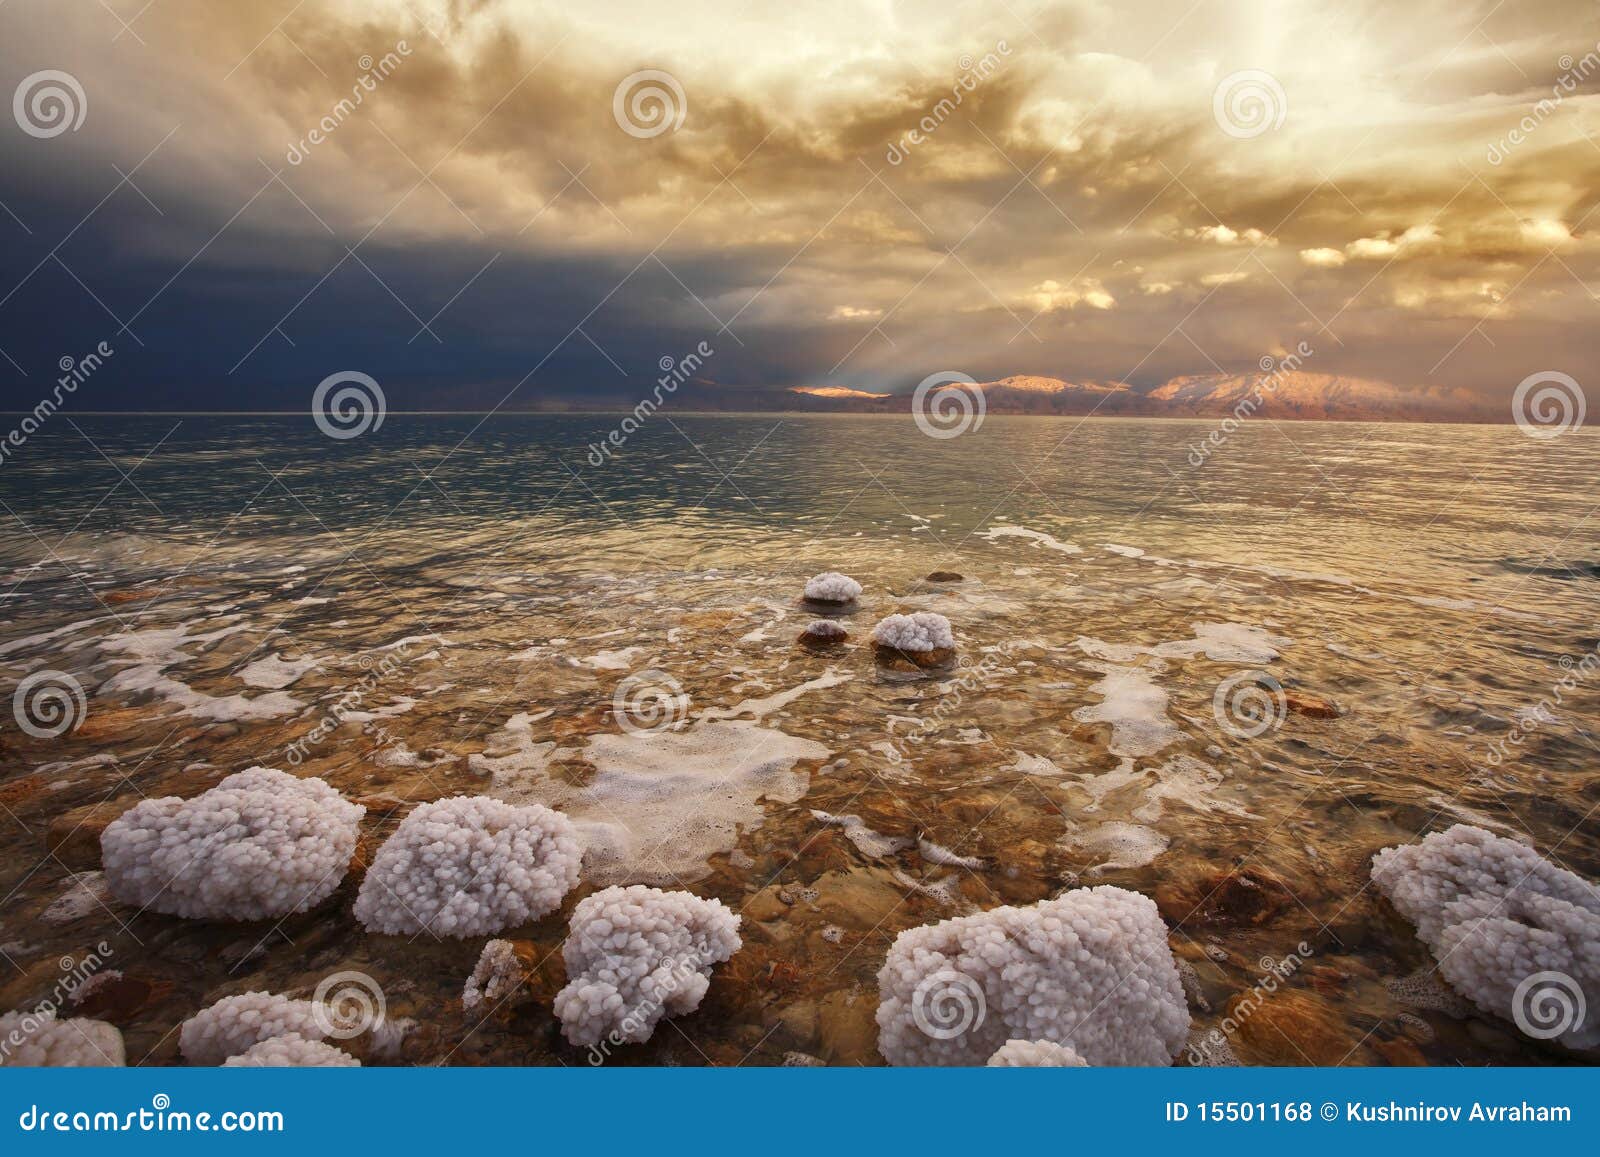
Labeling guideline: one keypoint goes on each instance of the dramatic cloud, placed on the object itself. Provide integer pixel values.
(469, 199)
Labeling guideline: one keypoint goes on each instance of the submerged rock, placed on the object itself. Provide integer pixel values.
(832, 589)
(1238, 897)
(822, 634)
(921, 638)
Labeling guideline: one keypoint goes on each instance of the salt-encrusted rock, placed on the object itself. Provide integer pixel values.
(292, 1051)
(822, 633)
(235, 1023)
(1035, 1054)
(638, 954)
(34, 1039)
(469, 866)
(500, 971)
(832, 589)
(259, 846)
(923, 638)
(1090, 969)
(1512, 932)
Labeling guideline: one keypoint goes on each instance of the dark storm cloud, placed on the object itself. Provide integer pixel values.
(1078, 212)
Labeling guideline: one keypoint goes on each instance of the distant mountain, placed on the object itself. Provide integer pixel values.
(1284, 396)
(1287, 395)
(1307, 395)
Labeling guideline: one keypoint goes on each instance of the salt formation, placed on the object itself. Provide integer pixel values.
(469, 866)
(1035, 1054)
(923, 638)
(235, 1024)
(498, 974)
(37, 1039)
(1090, 970)
(822, 633)
(292, 1051)
(259, 846)
(832, 588)
(637, 954)
(1512, 932)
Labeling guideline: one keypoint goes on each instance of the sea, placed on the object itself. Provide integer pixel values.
(1218, 666)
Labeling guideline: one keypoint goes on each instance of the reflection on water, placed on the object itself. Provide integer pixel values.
(1224, 686)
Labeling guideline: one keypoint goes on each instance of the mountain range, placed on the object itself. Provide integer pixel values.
(1284, 395)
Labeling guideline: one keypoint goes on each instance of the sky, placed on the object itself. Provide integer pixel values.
(516, 203)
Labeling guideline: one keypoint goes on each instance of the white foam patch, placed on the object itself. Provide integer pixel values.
(153, 651)
(1027, 764)
(939, 854)
(619, 660)
(1122, 845)
(1135, 708)
(48, 636)
(1037, 538)
(661, 803)
(85, 895)
(1106, 782)
(759, 708)
(1191, 782)
(869, 843)
(275, 672)
(513, 760)
(1219, 642)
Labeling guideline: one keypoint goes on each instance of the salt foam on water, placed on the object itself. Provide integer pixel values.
(1135, 708)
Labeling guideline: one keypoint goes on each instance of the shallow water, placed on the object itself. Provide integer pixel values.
(485, 590)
